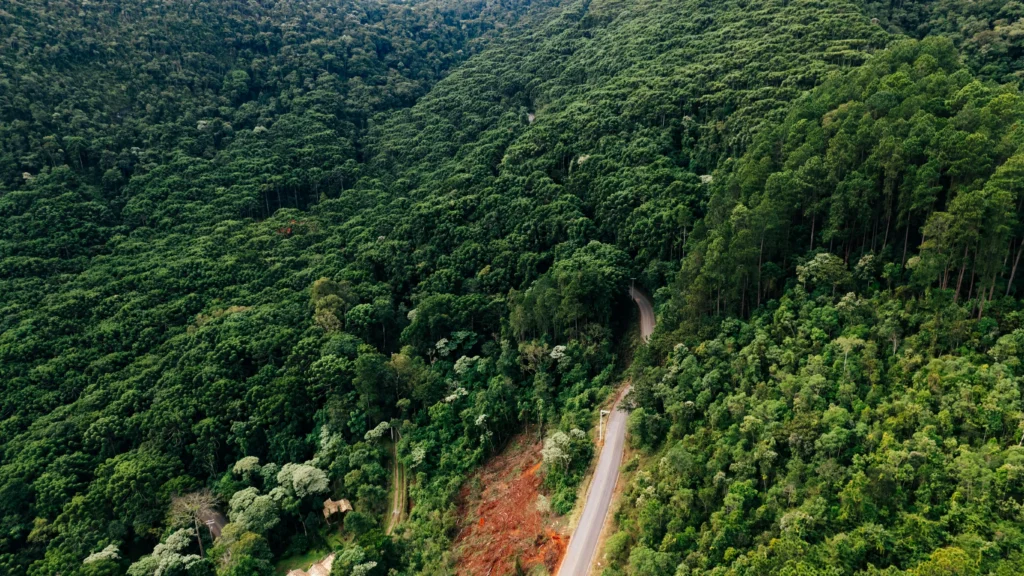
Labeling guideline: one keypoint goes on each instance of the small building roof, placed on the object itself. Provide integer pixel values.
(336, 507)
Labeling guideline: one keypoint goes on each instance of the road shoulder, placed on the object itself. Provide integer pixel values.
(583, 491)
(610, 525)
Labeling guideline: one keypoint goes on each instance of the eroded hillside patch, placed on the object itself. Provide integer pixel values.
(505, 517)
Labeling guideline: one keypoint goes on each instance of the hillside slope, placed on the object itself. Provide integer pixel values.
(422, 219)
(840, 391)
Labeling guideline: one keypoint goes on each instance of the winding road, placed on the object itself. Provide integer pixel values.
(583, 544)
(646, 313)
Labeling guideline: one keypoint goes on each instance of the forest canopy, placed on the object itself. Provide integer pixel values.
(259, 255)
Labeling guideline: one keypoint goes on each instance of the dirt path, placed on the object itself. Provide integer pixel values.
(399, 492)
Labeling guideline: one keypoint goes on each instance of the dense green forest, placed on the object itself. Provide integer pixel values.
(253, 247)
(866, 413)
(987, 32)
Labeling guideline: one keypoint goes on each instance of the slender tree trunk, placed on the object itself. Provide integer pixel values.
(199, 537)
(743, 297)
(981, 305)
(906, 240)
(974, 271)
(814, 219)
(760, 256)
(960, 278)
(885, 239)
(1013, 271)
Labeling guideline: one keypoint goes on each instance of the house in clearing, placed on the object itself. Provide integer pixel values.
(332, 507)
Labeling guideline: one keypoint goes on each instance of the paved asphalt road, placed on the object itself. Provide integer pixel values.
(646, 313)
(583, 543)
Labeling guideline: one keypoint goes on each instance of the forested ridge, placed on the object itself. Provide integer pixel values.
(274, 94)
(249, 245)
(986, 32)
(867, 414)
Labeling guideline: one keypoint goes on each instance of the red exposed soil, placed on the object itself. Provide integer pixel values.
(500, 520)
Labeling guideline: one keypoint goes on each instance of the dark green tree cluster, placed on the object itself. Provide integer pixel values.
(987, 32)
(212, 272)
(118, 115)
(157, 325)
(907, 170)
(838, 386)
(867, 434)
(254, 251)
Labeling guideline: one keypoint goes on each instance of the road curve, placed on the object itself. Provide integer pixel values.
(646, 313)
(583, 544)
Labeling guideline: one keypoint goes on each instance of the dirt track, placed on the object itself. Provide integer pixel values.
(399, 489)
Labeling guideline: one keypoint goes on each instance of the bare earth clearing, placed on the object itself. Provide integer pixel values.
(501, 521)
